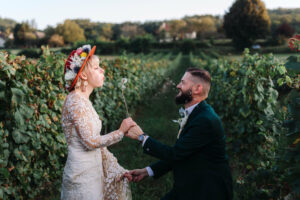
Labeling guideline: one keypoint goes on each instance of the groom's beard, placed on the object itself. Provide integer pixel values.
(184, 97)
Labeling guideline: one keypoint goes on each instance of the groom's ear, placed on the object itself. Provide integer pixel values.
(198, 88)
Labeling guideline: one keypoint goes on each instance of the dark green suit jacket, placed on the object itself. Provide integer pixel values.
(198, 158)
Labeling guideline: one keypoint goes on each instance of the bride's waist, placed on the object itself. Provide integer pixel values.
(79, 155)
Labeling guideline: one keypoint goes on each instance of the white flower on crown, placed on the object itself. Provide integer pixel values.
(76, 60)
(87, 46)
(70, 75)
(72, 65)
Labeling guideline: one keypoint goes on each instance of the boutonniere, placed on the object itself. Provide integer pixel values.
(181, 121)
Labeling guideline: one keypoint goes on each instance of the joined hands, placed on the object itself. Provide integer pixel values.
(133, 131)
(130, 128)
(135, 175)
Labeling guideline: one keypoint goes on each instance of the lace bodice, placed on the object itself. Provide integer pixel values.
(91, 171)
(79, 112)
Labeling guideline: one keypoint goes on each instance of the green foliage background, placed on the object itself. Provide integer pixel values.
(249, 95)
(245, 95)
(32, 145)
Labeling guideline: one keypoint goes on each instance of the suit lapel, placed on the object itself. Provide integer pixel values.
(194, 113)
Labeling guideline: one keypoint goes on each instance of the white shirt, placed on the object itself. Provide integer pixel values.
(189, 111)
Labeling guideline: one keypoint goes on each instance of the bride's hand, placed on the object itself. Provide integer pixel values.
(125, 175)
(127, 124)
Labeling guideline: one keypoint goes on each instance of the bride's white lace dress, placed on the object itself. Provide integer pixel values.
(91, 171)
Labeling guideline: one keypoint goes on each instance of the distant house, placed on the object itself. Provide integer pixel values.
(192, 35)
(40, 34)
(165, 30)
(164, 27)
(11, 36)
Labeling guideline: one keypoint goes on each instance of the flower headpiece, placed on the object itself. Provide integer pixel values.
(75, 64)
(294, 43)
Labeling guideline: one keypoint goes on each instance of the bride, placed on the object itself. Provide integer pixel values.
(91, 171)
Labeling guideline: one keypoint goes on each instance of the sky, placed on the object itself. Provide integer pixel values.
(117, 11)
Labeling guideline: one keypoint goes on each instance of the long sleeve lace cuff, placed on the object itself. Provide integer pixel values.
(97, 141)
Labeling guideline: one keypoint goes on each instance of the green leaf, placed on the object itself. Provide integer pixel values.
(281, 69)
(12, 56)
(259, 87)
(1, 193)
(17, 153)
(19, 118)
(2, 84)
(245, 111)
(280, 81)
(17, 95)
(26, 111)
(19, 137)
(4, 172)
(2, 95)
(9, 70)
(259, 122)
(268, 111)
(293, 64)
(288, 80)
(6, 153)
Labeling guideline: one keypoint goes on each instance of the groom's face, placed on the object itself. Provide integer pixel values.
(185, 90)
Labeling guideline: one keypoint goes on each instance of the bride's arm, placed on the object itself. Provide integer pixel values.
(82, 119)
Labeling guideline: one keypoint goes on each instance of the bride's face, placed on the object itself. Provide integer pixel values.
(95, 74)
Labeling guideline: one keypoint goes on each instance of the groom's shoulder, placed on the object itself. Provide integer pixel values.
(208, 114)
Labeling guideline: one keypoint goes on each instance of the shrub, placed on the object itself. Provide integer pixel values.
(244, 94)
(31, 53)
(56, 41)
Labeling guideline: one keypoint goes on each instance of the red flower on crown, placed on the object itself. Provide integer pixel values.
(68, 62)
(294, 43)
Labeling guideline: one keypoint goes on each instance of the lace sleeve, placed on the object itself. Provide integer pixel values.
(82, 117)
(112, 171)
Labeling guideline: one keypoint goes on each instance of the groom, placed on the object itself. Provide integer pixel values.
(198, 159)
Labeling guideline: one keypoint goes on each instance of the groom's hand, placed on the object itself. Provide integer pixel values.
(127, 124)
(125, 175)
(134, 132)
(138, 174)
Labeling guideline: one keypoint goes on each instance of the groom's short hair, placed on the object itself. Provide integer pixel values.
(200, 73)
(203, 76)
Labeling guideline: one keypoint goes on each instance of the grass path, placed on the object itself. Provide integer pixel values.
(155, 118)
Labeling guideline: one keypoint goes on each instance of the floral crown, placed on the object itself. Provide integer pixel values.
(75, 63)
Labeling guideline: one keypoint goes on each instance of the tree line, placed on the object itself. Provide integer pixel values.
(246, 21)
